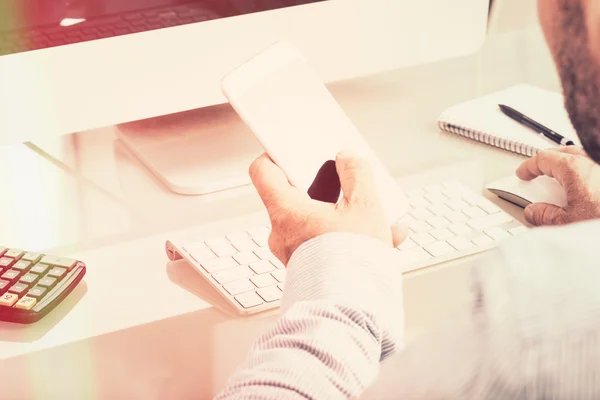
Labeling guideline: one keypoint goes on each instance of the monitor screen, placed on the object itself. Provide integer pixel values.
(27, 25)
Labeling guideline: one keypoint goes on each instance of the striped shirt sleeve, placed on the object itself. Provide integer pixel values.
(341, 315)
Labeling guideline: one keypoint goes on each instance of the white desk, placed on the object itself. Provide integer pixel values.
(131, 331)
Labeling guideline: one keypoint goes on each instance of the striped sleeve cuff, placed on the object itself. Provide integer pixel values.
(353, 271)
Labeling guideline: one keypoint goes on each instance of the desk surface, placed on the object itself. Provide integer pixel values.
(131, 330)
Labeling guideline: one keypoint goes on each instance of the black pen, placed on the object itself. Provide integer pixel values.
(536, 126)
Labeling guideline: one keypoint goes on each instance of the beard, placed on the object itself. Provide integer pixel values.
(579, 73)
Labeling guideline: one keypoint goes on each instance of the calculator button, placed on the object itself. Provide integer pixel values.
(31, 256)
(22, 265)
(63, 262)
(8, 299)
(39, 268)
(4, 285)
(29, 278)
(6, 262)
(37, 292)
(18, 288)
(26, 303)
(249, 299)
(57, 272)
(11, 275)
(14, 253)
(47, 281)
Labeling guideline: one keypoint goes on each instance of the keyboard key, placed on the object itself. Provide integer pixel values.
(47, 281)
(221, 247)
(263, 280)
(37, 292)
(407, 245)
(440, 209)
(3, 250)
(242, 242)
(39, 268)
(406, 220)
(29, 278)
(278, 264)
(456, 217)
(57, 272)
(8, 299)
(22, 265)
(269, 294)
(413, 256)
(460, 243)
(480, 224)
(457, 204)
(259, 232)
(439, 249)
(460, 229)
(14, 253)
(6, 262)
(201, 255)
(475, 212)
(472, 198)
(219, 264)
(263, 253)
(420, 227)
(239, 286)
(31, 256)
(518, 230)
(497, 233)
(26, 303)
(418, 192)
(433, 188)
(280, 286)
(261, 241)
(4, 285)
(249, 299)
(63, 262)
(11, 275)
(262, 266)
(438, 222)
(245, 258)
(436, 197)
(279, 274)
(418, 202)
(483, 240)
(422, 238)
(233, 274)
(421, 213)
(441, 234)
(489, 207)
(19, 288)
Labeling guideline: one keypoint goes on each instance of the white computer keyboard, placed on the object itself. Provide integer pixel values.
(447, 221)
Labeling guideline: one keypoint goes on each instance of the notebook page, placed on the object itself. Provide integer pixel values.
(482, 114)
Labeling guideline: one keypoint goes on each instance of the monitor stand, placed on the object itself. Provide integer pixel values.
(194, 152)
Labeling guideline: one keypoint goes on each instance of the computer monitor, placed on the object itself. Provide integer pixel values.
(72, 65)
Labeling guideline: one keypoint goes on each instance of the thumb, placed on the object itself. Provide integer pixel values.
(399, 234)
(356, 178)
(540, 214)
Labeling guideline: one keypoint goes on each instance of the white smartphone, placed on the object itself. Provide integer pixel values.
(301, 126)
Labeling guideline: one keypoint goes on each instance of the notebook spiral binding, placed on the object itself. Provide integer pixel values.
(480, 136)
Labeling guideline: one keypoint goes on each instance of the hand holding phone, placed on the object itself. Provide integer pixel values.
(301, 126)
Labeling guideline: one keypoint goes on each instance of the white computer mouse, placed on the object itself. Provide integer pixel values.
(522, 193)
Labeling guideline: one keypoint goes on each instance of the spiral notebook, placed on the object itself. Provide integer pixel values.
(481, 119)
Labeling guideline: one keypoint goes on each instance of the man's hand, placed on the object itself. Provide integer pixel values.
(295, 218)
(578, 175)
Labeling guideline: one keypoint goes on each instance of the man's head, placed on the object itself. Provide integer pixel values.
(572, 29)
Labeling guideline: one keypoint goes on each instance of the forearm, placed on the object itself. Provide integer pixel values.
(341, 315)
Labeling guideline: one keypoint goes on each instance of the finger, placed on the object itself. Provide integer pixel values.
(271, 183)
(356, 177)
(550, 163)
(399, 234)
(540, 214)
(573, 150)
